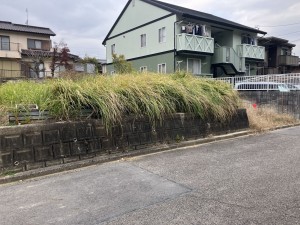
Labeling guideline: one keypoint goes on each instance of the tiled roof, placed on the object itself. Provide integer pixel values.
(47, 53)
(190, 13)
(265, 41)
(8, 26)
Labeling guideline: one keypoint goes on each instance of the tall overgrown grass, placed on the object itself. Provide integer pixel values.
(263, 118)
(113, 97)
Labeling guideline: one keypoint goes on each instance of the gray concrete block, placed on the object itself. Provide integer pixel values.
(51, 136)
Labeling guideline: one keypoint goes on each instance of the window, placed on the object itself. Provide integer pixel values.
(38, 72)
(194, 66)
(143, 69)
(113, 49)
(4, 43)
(285, 51)
(34, 44)
(162, 35)
(161, 68)
(248, 39)
(143, 40)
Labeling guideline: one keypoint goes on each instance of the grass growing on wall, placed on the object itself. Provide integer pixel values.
(262, 118)
(113, 97)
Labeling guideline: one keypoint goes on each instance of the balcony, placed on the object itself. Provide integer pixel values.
(251, 51)
(227, 55)
(10, 51)
(288, 60)
(195, 43)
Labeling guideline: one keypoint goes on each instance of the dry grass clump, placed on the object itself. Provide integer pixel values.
(113, 97)
(151, 95)
(265, 118)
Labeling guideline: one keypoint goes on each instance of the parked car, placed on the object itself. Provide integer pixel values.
(294, 87)
(267, 86)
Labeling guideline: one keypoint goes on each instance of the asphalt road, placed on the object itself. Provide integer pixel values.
(248, 180)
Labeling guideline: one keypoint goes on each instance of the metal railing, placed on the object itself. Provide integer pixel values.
(190, 42)
(10, 50)
(281, 82)
(10, 73)
(10, 46)
(225, 54)
(23, 74)
(251, 51)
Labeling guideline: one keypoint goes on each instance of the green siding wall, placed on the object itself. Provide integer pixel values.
(129, 44)
(137, 14)
(205, 63)
(168, 58)
(151, 63)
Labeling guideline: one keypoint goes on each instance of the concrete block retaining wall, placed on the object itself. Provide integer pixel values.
(34, 146)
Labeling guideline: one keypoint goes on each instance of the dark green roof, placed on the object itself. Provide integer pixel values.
(190, 13)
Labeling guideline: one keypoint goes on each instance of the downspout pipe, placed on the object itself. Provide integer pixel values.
(176, 22)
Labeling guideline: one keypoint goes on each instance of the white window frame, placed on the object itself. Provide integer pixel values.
(191, 69)
(162, 68)
(143, 40)
(113, 49)
(143, 69)
(162, 35)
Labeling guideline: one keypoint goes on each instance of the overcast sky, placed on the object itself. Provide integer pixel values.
(83, 24)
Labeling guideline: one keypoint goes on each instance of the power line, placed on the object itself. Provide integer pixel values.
(280, 25)
(295, 40)
(288, 33)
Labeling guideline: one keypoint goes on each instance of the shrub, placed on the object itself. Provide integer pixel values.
(121, 65)
(112, 97)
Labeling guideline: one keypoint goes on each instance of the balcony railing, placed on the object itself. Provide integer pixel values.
(24, 74)
(10, 50)
(251, 51)
(288, 60)
(10, 46)
(195, 43)
(227, 55)
(11, 73)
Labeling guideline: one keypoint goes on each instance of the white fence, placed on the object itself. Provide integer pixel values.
(280, 82)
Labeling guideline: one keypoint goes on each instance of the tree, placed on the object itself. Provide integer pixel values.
(92, 60)
(60, 56)
(37, 59)
(121, 65)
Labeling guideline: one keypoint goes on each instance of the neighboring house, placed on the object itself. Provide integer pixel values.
(161, 37)
(24, 48)
(102, 65)
(279, 57)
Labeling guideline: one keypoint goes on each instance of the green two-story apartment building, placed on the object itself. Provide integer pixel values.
(161, 37)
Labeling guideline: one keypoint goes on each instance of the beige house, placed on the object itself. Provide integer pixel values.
(26, 51)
